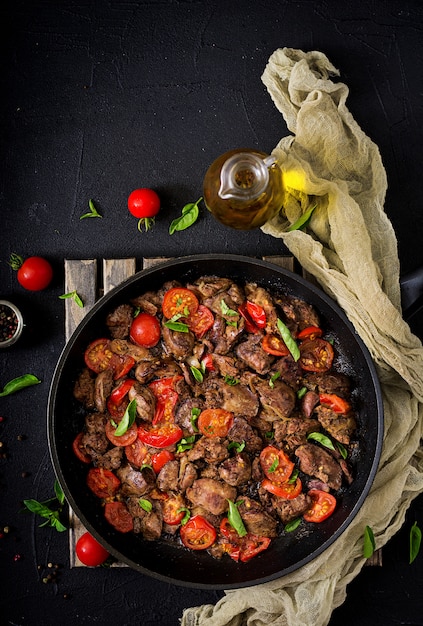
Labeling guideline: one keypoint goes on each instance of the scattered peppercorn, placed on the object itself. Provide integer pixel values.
(8, 323)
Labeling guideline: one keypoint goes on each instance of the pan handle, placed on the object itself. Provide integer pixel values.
(412, 293)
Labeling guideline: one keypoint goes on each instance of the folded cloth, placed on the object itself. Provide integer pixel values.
(349, 246)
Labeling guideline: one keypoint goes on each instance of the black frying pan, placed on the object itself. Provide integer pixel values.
(169, 561)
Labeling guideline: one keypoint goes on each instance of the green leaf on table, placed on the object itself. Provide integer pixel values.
(187, 218)
(369, 544)
(302, 221)
(50, 510)
(415, 541)
(92, 212)
(16, 384)
(73, 295)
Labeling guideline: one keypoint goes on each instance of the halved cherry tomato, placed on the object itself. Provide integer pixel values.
(172, 509)
(200, 321)
(249, 325)
(257, 314)
(316, 355)
(115, 403)
(98, 355)
(79, 451)
(159, 459)
(121, 440)
(137, 453)
(89, 551)
(323, 506)
(207, 361)
(102, 482)
(145, 330)
(122, 365)
(179, 300)
(215, 422)
(242, 548)
(272, 344)
(276, 464)
(166, 398)
(117, 514)
(161, 435)
(198, 533)
(334, 402)
(285, 490)
(311, 332)
(161, 385)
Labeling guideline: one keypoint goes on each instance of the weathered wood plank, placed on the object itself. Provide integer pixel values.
(115, 271)
(80, 276)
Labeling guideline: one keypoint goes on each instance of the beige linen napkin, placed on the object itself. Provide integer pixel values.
(350, 248)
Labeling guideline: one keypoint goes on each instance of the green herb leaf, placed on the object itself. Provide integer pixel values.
(274, 377)
(322, 439)
(342, 449)
(179, 327)
(235, 519)
(415, 541)
(274, 466)
(292, 479)
(239, 447)
(301, 392)
(289, 340)
(50, 509)
(369, 544)
(188, 217)
(146, 505)
(15, 261)
(26, 380)
(195, 414)
(226, 310)
(231, 380)
(92, 212)
(128, 419)
(292, 525)
(59, 492)
(187, 515)
(185, 444)
(302, 221)
(74, 296)
(198, 375)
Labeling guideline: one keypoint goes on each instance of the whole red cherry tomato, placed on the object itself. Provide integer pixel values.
(145, 330)
(34, 273)
(89, 551)
(144, 204)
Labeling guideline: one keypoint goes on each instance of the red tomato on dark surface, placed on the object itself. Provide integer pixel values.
(257, 314)
(272, 344)
(121, 440)
(334, 402)
(316, 355)
(145, 330)
(89, 551)
(323, 506)
(35, 273)
(242, 548)
(276, 464)
(179, 301)
(286, 490)
(201, 321)
(159, 459)
(311, 332)
(198, 533)
(160, 435)
(172, 509)
(117, 514)
(79, 451)
(143, 203)
(102, 482)
(215, 422)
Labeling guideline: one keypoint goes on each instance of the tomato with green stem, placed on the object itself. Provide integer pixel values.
(144, 204)
(34, 273)
(89, 551)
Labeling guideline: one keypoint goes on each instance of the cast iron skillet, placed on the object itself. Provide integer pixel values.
(171, 562)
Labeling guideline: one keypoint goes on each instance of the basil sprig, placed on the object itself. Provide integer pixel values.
(92, 212)
(322, 439)
(189, 215)
(289, 340)
(235, 519)
(26, 380)
(46, 510)
(128, 419)
(73, 295)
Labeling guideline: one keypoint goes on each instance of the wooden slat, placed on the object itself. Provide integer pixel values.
(80, 276)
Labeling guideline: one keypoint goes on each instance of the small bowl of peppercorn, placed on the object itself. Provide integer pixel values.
(11, 323)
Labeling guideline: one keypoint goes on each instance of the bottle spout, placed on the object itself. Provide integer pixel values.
(244, 176)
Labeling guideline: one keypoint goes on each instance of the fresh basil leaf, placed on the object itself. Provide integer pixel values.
(274, 466)
(146, 505)
(301, 392)
(274, 377)
(188, 217)
(322, 439)
(179, 327)
(238, 446)
(195, 414)
(74, 296)
(231, 380)
(57, 524)
(289, 340)
(415, 541)
(128, 419)
(185, 444)
(198, 375)
(292, 479)
(59, 492)
(226, 310)
(342, 449)
(292, 525)
(369, 544)
(92, 212)
(301, 221)
(26, 380)
(235, 519)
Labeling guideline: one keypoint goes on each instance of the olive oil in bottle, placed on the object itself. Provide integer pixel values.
(243, 188)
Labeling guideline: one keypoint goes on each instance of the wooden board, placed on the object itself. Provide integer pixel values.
(82, 276)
